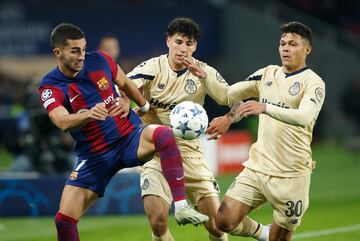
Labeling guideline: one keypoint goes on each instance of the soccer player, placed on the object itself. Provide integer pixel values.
(110, 45)
(79, 95)
(280, 164)
(167, 80)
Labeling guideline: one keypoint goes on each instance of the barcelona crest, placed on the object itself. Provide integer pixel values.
(103, 84)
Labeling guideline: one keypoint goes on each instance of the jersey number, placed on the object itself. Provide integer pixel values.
(294, 208)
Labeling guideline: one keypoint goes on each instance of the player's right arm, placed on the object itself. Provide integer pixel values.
(53, 100)
(61, 117)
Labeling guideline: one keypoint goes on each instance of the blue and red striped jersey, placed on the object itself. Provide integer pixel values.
(94, 84)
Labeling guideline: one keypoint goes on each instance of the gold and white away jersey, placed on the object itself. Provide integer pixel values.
(293, 102)
(164, 88)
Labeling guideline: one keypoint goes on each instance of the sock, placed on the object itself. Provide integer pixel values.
(180, 204)
(171, 162)
(66, 228)
(224, 237)
(166, 237)
(248, 228)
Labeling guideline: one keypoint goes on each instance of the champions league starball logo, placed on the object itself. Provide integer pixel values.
(46, 94)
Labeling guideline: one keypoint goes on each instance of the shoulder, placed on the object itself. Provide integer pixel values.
(52, 78)
(313, 77)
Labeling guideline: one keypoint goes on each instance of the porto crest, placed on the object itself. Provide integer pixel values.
(295, 89)
(190, 87)
(103, 84)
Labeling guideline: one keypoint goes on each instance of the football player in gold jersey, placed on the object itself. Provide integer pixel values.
(167, 80)
(278, 171)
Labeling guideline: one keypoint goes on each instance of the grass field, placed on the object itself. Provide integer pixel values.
(333, 215)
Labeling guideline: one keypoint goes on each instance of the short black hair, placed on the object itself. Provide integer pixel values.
(64, 31)
(298, 28)
(184, 26)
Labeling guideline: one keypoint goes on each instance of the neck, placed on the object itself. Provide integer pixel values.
(176, 67)
(67, 72)
(290, 69)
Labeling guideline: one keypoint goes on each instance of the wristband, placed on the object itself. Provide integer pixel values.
(145, 107)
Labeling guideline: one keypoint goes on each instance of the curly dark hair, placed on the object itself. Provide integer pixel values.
(184, 26)
(64, 31)
(298, 28)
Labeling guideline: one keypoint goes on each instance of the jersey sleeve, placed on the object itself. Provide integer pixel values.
(143, 73)
(112, 64)
(309, 108)
(216, 86)
(245, 89)
(51, 97)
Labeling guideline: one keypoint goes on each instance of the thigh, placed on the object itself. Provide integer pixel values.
(146, 148)
(154, 183)
(197, 190)
(289, 198)
(209, 205)
(247, 188)
(76, 200)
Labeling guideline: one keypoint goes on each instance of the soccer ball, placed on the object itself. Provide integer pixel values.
(188, 120)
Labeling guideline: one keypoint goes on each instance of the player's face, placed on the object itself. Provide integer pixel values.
(180, 47)
(293, 50)
(71, 57)
(110, 46)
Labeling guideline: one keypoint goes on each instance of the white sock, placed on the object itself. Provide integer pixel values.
(180, 204)
(264, 236)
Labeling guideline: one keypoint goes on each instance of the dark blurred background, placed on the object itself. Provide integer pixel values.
(237, 38)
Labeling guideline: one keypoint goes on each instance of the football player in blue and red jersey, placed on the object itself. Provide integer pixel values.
(79, 96)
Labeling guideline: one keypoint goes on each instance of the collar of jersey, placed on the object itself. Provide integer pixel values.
(295, 72)
(77, 78)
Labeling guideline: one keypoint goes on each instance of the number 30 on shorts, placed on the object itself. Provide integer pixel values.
(294, 208)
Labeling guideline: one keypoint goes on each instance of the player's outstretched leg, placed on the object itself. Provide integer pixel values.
(172, 168)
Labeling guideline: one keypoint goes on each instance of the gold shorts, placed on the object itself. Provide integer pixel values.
(288, 196)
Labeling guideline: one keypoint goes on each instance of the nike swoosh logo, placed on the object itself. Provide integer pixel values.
(179, 178)
(72, 99)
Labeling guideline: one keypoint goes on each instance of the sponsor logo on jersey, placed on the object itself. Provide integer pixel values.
(46, 94)
(190, 87)
(294, 89)
(158, 104)
(103, 84)
(279, 104)
(109, 99)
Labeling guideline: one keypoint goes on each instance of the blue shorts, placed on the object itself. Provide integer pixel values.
(95, 173)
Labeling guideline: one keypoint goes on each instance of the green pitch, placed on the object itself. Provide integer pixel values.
(334, 212)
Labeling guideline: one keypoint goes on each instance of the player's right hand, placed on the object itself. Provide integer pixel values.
(218, 126)
(98, 112)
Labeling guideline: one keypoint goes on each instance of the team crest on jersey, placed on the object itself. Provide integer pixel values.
(190, 87)
(319, 93)
(103, 84)
(268, 83)
(73, 175)
(295, 89)
(46, 94)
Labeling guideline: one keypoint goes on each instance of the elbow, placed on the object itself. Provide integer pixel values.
(63, 126)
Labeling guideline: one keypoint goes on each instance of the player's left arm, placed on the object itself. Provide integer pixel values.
(131, 90)
(307, 111)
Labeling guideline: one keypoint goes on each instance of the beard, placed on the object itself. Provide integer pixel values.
(70, 64)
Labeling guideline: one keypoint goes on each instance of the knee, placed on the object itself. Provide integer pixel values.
(223, 224)
(158, 223)
(212, 228)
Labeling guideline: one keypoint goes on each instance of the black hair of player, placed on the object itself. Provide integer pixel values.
(297, 28)
(185, 27)
(64, 31)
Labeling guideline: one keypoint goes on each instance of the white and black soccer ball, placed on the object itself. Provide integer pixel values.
(188, 120)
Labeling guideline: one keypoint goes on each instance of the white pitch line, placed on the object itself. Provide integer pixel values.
(325, 232)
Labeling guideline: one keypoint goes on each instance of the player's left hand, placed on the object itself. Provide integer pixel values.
(120, 106)
(193, 68)
(218, 126)
(251, 108)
